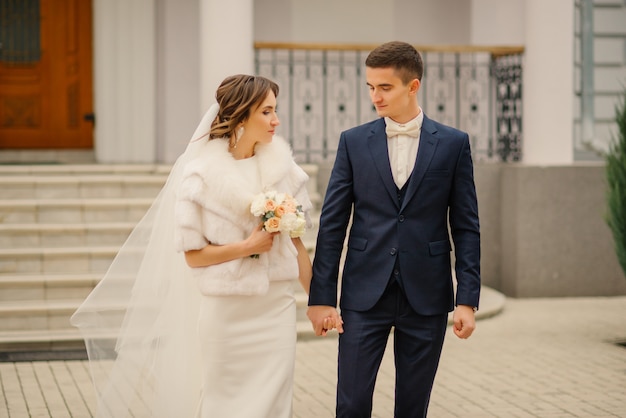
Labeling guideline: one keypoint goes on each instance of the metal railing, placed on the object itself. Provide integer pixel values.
(323, 92)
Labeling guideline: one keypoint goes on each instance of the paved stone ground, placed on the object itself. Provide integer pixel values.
(537, 358)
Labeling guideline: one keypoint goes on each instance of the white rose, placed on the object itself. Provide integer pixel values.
(257, 208)
(288, 222)
(299, 228)
(279, 197)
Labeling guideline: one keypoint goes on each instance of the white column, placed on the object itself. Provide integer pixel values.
(226, 43)
(548, 92)
(178, 76)
(124, 81)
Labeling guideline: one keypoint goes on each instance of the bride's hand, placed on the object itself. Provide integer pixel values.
(329, 323)
(260, 241)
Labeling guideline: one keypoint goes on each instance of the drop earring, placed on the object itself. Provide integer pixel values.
(238, 135)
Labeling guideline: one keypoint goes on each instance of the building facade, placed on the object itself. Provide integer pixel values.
(149, 68)
(135, 77)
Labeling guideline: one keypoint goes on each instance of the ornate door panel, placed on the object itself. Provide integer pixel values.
(45, 74)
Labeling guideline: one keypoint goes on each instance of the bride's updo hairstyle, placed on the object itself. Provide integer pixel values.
(237, 96)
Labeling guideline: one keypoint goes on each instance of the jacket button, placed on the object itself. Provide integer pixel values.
(401, 218)
(393, 251)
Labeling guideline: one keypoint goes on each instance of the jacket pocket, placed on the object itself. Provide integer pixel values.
(439, 247)
(357, 243)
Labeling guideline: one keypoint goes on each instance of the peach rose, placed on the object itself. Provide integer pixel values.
(280, 211)
(270, 205)
(290, 205)
(272, 225)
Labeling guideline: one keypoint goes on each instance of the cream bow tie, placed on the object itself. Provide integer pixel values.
(410, 129)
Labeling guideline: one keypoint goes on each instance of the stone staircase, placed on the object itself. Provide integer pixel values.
(60, 228)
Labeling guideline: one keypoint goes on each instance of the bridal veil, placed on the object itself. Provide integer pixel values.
(140, 322)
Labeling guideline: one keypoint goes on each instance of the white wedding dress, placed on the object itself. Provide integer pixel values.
(248, 349)
(158, 348)
(247, 343)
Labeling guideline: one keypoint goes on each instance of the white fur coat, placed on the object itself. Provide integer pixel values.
(213, 206)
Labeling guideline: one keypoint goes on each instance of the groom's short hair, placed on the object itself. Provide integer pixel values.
(401, 56)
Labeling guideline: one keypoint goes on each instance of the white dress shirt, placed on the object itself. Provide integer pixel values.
(403, 149)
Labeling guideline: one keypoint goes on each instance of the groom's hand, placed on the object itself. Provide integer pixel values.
(321, 316)
(464, 321)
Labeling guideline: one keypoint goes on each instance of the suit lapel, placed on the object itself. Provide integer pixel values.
(426, 150)
(377, 142)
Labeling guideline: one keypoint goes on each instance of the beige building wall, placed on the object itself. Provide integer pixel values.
(426, 22)
(553, 238)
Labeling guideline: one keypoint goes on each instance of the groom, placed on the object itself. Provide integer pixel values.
(408, 183)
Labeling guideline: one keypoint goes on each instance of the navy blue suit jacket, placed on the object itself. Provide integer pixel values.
(440, 193)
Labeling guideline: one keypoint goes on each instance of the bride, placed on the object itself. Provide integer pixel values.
(196, 315)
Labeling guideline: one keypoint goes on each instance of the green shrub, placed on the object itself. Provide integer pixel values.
(616, 179)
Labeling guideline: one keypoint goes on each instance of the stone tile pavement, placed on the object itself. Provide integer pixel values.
(536, 358)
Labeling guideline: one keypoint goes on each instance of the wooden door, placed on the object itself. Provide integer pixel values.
(46, 99)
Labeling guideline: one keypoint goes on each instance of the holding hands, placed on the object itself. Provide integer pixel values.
(324, 318)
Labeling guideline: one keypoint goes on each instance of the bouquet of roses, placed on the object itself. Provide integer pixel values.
(280, 212)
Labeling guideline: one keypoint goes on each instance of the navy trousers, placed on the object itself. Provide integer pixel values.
(418, 341)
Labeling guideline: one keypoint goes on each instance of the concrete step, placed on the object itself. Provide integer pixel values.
(73, 211)
(44, 340)
(32, 261)
(60, 228)
(98, 181)
(43, 288)
(40, 340)
(37, 315)
(59, 260)
(80, 169)
(64, 235)
(81, 186)
(30, 235)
